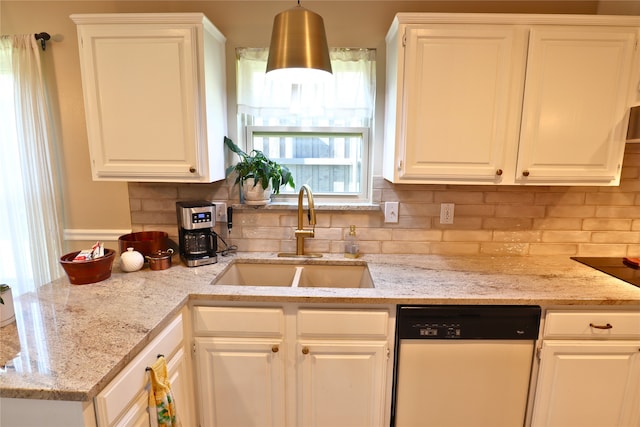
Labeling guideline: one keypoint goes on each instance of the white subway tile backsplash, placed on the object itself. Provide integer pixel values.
(490, 220)
(568, 249)
(608, 224)
(492, 248)
(555, 236)
(452, 248)
(615, 237)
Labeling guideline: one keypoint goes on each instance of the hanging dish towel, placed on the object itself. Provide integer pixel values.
(162, 408)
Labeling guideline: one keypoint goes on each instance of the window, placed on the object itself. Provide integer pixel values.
(321, 131)
(327, 159)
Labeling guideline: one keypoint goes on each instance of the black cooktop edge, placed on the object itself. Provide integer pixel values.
(613, 266)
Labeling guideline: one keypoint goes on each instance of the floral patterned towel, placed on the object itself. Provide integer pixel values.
(162, 408)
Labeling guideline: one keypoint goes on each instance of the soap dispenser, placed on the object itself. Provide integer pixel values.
(351, 248)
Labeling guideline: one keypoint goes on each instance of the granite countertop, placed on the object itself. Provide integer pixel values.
(69, 341)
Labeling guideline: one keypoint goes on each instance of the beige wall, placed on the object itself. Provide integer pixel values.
(105, 206)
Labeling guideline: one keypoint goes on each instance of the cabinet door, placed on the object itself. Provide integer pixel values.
(588, 384)
(341, 383)
(462, 96)
(575, 105)
(181, 380)
(241, 382)
(137, 415)
(141, 100)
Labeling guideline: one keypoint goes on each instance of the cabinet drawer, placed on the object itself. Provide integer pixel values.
(120, 393)
(592, 324)
(347, 323)
(238, 321)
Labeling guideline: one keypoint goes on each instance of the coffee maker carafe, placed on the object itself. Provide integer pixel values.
(198, 241)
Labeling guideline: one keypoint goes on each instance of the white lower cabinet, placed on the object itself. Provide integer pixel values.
(292, 366)
(124, 401)
(241, 381)
(341, 383)
(589, 370)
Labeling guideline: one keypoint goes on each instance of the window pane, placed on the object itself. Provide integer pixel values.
(329, 161)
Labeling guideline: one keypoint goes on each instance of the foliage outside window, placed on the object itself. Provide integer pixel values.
(320, 130)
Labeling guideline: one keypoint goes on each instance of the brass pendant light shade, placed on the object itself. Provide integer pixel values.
(298, 40)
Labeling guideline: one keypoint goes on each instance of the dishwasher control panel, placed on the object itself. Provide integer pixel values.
(468, 322)
(438, 330)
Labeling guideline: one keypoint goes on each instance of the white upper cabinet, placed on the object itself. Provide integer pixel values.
(155, 96)
(508, 99)
(575, 104)
(462, 90)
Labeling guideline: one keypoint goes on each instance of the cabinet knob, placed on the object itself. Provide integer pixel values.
(192, 169)
(525, 173)
(499, 172)
(275, 349)
(305, 350)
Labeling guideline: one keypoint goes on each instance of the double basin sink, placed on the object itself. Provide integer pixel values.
(302, 274)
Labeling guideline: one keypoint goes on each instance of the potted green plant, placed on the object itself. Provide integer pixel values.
(3, 289)
(7, 314)
(258, 175)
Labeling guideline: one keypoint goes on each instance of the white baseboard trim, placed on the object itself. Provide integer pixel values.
(93, 235)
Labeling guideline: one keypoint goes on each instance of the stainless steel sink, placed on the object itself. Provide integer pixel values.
(296, 274)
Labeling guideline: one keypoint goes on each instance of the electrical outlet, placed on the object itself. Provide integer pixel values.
(446, 213)
(221, 211)
(391, 212)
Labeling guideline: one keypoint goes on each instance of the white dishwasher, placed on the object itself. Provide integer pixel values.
(462, 365)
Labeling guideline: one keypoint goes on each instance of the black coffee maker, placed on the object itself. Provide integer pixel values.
(198, 241)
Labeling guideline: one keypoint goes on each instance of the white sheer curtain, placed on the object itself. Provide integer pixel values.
(349, 95)
(30, 226)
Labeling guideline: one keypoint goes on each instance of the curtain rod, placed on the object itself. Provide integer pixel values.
(43, 37)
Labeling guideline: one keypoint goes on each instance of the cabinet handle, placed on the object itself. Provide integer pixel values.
(305, 350)
(192, 169)
(275, 349)
(607, 326)
(525, 173)
(499, 172)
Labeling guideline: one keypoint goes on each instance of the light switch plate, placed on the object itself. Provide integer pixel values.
(221, 211)
(391, 212)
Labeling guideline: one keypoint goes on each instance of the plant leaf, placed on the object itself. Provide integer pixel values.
(258, 166)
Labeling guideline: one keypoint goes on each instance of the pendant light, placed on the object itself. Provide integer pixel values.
(298, 48)
(633, 132)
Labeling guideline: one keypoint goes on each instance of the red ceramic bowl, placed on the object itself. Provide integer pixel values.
(85, 272)
(145, 242)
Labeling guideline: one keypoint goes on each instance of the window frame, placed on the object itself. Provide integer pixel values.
(366, 184)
